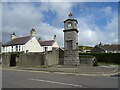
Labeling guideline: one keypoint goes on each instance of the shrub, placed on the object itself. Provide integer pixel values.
(104, 57)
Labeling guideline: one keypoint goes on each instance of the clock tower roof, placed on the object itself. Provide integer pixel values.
(70, 19)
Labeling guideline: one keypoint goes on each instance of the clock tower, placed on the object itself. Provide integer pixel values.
(71, 56)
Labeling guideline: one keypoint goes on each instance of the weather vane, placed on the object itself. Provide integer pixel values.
(70, 14)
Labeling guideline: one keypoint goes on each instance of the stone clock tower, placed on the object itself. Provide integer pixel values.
(71, 56)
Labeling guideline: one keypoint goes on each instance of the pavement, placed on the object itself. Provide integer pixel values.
(83, 69)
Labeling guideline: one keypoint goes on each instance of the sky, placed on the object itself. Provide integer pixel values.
(97, 21)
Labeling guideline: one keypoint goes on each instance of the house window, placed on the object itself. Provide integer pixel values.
(27, 51)
(12, 49)
(46, 48)
(17, 48)
(3, 49)
(106, 51)
(115, 51)
(6, 49)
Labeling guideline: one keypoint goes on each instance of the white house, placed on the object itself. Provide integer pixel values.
(48, 45)
(23, 44)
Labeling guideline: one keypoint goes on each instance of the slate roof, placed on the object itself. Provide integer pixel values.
(46, 42)
(18, 41)
(109, 47)
(71, 19)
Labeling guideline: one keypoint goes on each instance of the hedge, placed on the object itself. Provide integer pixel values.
(104, 57)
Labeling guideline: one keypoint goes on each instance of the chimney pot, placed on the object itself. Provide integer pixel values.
(32, 32)
(13, 36)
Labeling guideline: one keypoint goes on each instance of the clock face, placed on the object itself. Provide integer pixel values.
(69, 24)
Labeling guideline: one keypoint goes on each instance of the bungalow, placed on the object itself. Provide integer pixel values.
(22, 44)
(106, 49)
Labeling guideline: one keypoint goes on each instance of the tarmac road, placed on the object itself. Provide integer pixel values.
(37, 79)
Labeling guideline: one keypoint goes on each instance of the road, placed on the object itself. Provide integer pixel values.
(35, 79)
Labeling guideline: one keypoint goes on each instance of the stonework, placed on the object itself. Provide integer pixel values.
(71, 55)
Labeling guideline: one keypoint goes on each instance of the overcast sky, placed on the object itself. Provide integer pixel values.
(97, 22)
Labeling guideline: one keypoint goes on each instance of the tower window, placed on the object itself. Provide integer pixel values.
(69, 45)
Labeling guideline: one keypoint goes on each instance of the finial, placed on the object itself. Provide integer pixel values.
(39, 38)
(70, 14)
(33, 29)
(54, 37)
(13, 33)
(100, 43)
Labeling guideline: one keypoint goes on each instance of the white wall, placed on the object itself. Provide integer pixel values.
(55, 45)
(33, 46)
(9, 48)
(49, 48)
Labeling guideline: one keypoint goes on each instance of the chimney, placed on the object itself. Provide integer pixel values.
(13, 36)
(100, 44)
(54, 37)
(39, 39)
(32, 32)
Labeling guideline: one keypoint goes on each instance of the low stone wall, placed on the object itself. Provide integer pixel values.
(61, 57)
(52, 57)
(33, 59)
(6, 59)
(88, 61)
(30, 59)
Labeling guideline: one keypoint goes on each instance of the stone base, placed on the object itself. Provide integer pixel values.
(71, 58)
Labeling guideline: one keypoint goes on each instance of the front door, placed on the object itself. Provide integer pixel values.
(13, 60)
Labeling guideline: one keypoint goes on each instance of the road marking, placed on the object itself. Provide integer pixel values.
(55, 82)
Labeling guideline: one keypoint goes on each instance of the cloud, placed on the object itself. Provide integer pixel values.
(60, 0)
(107, 10)
(46, 32)
(60, 9)
(21, 17)
(111, 30)
(91, 34)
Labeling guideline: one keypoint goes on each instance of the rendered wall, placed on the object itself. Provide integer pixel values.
(33, 59)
